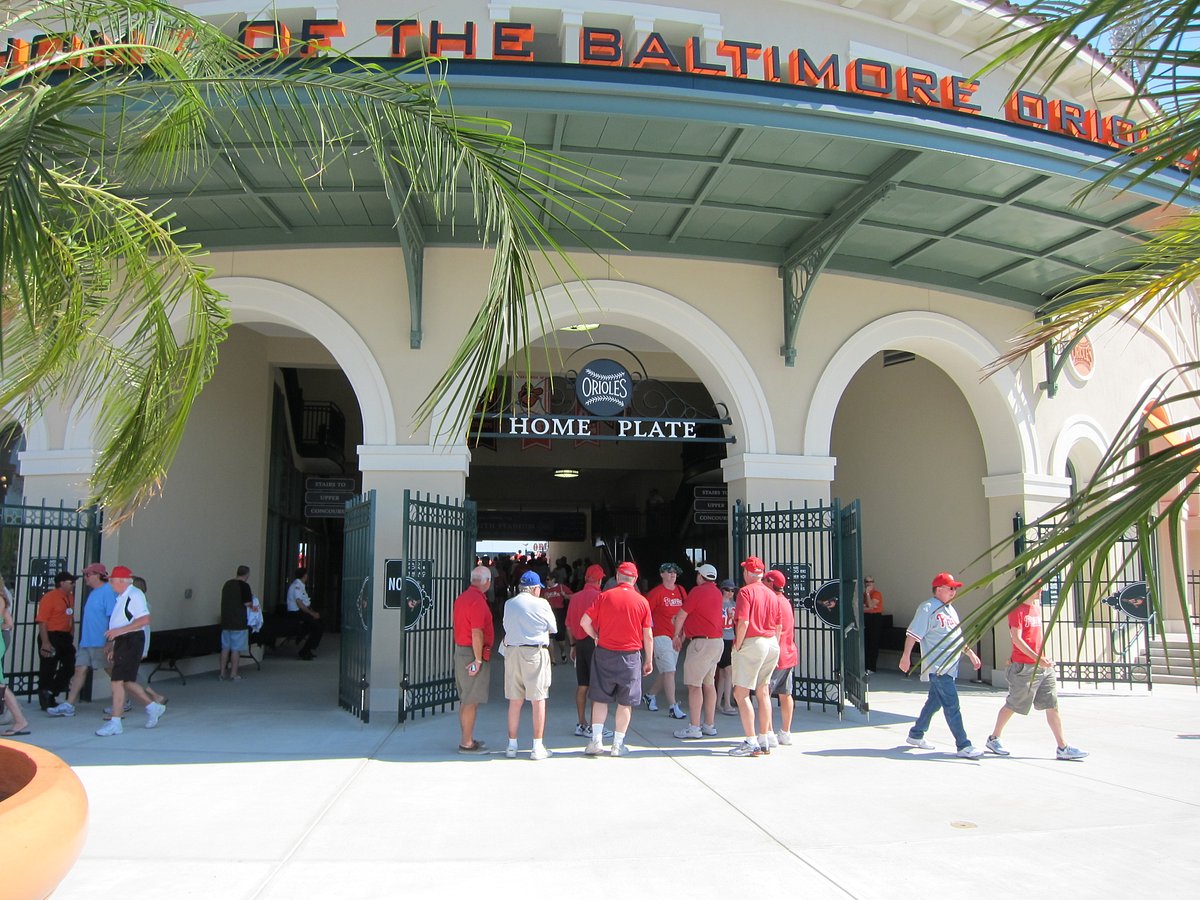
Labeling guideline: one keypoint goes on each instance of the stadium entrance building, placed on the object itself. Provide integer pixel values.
(829, 229)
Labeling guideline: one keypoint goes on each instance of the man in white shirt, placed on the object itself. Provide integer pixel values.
(528, 624)
(126, 629)
(299, 607)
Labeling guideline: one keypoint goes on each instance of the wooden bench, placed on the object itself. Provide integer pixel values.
(168, 647)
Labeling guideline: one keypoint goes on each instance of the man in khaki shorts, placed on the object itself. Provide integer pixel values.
(529, 624)
(757, 625)
(474, 635)
(702, 623)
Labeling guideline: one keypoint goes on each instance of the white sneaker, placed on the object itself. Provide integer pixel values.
(708, 730)
(772, 740)
(127, 707)
(651, 702)
(618, 750)
(511, 752)
(1070, 752)
(154, 712)
(109, 728)
(540, 752)
(784, 738)
(675, 712)
(583, 731)
(691, 733)
(63, 709)
(970, 752)
(594, 748)
(920, 743)
(996, 747)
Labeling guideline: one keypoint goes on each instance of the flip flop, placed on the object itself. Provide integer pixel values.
(14, 733)
(473, 747)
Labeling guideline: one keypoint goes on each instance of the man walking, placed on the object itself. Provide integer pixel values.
(236, 600)
(789, 658)
(935, 626)
(474, 635)
(56, 625)
(665, 600)
(757, 627)
(620, 625)
(582, 645)
(97, 610)
(1031, 681)
(872, 624)
(528, 624)
(130, 616)
(701, 622)
(299, 607)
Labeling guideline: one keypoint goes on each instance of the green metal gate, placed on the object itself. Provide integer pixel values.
(358, 578)
(439, 550)
(819, 549)
(35, 543)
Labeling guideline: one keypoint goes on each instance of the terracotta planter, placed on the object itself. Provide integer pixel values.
(43, 820)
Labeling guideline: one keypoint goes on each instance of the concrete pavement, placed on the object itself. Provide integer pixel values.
(264, 789)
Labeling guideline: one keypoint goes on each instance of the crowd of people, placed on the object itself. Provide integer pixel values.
(741, 656)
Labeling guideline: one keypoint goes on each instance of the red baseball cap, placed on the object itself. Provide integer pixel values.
(775, 578)
(96, 568)
(121, 572)
(594, 573)
(945, 579)
(627, 568)
(754, 565)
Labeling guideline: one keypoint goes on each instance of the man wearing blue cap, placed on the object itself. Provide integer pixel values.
(528, 625)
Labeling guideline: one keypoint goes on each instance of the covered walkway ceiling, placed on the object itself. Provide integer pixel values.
(798, 178)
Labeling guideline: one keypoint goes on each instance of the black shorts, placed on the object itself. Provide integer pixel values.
(560, 618)
(584, 648)
(726, 655)
(127, 655)
(616, 677)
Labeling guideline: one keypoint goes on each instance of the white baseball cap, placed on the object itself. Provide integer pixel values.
(707, 571)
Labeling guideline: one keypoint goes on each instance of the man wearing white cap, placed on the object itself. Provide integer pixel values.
(935, 626)
(701, 622)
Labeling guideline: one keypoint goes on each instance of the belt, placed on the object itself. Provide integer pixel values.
(544, 646)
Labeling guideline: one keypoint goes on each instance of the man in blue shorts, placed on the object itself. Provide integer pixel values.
(619, 623)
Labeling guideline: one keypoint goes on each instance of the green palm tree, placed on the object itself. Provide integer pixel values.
(92, 277)
(1146, 476)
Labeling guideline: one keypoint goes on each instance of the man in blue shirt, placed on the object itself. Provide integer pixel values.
(96, 612)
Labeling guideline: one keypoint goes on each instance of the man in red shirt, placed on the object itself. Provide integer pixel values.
(702, 623)
(789, 658)
(557, 594)
(665, 602)
(619, 622)
(1031, 680)
(474, 635)
(56, 625)
(757, 624)
(582, 645)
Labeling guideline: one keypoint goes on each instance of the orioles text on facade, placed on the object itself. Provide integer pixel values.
(513, 41)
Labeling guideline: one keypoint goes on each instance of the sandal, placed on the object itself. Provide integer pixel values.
(14, 732)
(474, 747)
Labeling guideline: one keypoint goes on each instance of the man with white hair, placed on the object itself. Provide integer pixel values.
(755, 654)
(528, 624)
(619, 622)
(701, 622)
(126, 630)
(474, 635)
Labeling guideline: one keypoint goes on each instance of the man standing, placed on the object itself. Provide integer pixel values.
(1031, 681)
(300, 610)
(582, 645)
(701, 622)
(665, 602)
(528, 623)
(789, 658)
(620, 625)
(474, 635)
(236, 600)
(97, 610)
(935, 626)
(872, 624)
(757, 625)
(56, 624)
(130, 616)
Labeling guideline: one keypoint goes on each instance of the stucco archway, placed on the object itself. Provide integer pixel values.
(1001, 411)
(689, 333)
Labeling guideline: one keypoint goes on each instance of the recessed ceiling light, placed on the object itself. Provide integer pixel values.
(566, 473)
(582, 326)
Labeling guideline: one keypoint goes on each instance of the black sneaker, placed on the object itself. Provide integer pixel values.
(47, 699)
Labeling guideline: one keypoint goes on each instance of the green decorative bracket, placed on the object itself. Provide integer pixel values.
(412, 244)
(807, 257)
(1056, 361)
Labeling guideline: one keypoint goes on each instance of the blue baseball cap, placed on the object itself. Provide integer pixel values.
(530, 579)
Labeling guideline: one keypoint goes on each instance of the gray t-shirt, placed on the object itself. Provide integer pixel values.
(528, 620)
(933, 623)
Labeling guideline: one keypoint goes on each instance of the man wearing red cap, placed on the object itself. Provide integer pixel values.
(582, 645)
(935, 626)
(758, 624)
(620, 624)
(126, 630)
(789, 658)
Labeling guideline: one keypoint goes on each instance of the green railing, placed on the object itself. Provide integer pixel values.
(358, 583)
